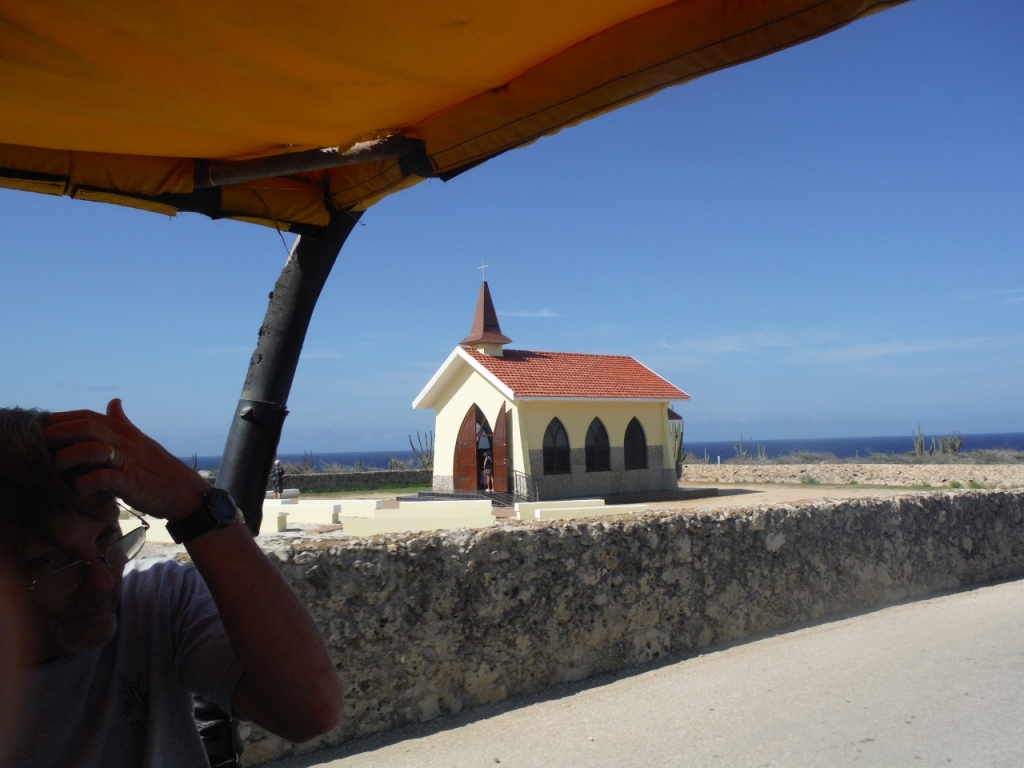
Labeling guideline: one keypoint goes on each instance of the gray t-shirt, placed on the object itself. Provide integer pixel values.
(129, 703)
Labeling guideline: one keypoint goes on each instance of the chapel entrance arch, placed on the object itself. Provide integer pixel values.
(476, 438)
(474, 441)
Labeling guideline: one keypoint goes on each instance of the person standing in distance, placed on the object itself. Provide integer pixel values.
(277, 478)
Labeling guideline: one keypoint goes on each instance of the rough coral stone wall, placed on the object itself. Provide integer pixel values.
(428, 624)
(340, 481)
(864, 474)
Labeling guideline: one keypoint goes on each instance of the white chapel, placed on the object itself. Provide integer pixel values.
(557, 424)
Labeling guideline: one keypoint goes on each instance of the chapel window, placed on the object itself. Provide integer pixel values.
(635, 446)
(556, 449)
(599, 452)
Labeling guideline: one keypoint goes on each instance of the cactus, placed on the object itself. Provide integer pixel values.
(195, 462)
(675, 429)
(918, 441)
(309, 462)
(742, 453)
(951, 443)
(424, 453)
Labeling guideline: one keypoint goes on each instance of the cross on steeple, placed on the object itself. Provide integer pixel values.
(483, 273)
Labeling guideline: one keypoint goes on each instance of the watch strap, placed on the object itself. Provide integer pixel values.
(202, 520)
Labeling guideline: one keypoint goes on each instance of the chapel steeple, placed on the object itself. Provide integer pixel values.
(486, 334)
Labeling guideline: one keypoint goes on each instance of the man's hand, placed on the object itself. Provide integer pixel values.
(116, 457)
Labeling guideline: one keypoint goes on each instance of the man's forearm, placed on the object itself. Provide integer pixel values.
(289, 684)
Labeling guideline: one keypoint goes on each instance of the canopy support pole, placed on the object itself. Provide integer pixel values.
(256, 426)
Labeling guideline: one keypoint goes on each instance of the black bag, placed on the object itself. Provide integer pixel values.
(218, 732)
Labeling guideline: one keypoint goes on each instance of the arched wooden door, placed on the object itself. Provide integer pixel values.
(500, 476)
(466, 471)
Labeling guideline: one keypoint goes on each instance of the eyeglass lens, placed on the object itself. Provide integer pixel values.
(117, 554)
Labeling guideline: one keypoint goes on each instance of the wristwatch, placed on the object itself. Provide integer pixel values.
(218, 511)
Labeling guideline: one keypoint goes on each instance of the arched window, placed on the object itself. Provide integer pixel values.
(483, 431)
(635, 446)
(599, 452)
(556, 449)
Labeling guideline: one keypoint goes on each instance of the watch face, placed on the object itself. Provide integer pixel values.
(223, 506)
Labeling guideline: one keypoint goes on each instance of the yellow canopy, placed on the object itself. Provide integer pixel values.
(115, 100)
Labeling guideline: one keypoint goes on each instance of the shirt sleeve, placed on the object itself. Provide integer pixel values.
(203, 659)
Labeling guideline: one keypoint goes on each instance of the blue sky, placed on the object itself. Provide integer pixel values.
(824, 242)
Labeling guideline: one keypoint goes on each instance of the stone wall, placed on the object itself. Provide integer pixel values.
(343, 481)
(444, 483)
(428, 624)
(935, 475)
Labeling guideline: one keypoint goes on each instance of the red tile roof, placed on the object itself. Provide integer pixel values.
(566, 374)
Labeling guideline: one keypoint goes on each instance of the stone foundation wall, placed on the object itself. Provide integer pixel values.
(342, 481)
(580, 484)
(935, 475)
(428, 624)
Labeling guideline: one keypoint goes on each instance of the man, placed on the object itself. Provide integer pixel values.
(488, 471)
(118, 648)
(277, 478)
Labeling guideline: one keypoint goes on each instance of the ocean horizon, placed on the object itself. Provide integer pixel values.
(841, 447)
(847, 447)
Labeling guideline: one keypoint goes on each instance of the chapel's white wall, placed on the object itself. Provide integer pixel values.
(466, 388)
(519, 447)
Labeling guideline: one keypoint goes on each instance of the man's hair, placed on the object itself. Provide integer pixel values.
(31, 490)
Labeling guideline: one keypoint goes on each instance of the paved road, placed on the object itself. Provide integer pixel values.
(934, 683)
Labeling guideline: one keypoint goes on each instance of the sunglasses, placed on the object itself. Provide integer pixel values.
(66, 579)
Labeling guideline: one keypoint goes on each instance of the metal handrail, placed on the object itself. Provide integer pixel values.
(523, 486)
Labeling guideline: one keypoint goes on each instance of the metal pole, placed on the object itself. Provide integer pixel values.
(259, 417)
(218, 173)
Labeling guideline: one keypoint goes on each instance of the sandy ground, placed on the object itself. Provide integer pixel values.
(753, 494)
(729, 497)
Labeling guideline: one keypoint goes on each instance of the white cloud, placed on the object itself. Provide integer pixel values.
(531, 313)
(877, 350)
(230, 351)
(746, 342)
(998, 298)
(817, 347)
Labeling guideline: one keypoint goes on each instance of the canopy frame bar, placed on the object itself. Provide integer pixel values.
(259, 417)
(411, 154)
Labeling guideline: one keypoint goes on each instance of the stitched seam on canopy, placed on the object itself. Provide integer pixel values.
(367, 180)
